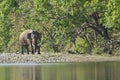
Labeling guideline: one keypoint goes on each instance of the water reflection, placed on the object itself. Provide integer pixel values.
(62, 71)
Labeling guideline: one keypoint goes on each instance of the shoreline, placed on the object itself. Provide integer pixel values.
(6, 58)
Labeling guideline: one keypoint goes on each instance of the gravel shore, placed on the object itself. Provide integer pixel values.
(51, 58)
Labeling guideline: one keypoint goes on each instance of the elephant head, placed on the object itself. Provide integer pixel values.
(34, 37)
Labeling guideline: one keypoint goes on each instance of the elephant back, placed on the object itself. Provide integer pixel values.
(23, 37)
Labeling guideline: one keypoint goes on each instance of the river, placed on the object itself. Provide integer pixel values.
(61, 71)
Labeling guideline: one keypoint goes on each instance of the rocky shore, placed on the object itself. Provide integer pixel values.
(52, 58)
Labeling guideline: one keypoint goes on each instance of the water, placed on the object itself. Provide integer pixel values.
(61, 71)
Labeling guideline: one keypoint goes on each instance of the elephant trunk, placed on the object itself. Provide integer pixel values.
(35, 45)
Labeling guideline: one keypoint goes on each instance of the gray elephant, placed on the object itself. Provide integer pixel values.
(29, 40)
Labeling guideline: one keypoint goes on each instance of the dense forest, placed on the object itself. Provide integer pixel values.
(74, 26)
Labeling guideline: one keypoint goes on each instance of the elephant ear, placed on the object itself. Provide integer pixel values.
(29, 36)
(37, 34)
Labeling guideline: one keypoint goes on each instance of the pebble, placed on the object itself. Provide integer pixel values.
(25, 58)
(52, 58)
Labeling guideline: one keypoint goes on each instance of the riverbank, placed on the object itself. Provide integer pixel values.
(51, 58)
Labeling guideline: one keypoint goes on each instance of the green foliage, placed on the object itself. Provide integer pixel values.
(81, 45)
(55, 19)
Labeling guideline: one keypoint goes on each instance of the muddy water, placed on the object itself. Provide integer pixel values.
(61, 71)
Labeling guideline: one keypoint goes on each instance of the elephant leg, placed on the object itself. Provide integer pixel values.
(38, 47)
(27, 49)
(35, 49)
(22, 49)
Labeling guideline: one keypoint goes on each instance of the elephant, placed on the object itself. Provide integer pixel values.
(29, 40)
